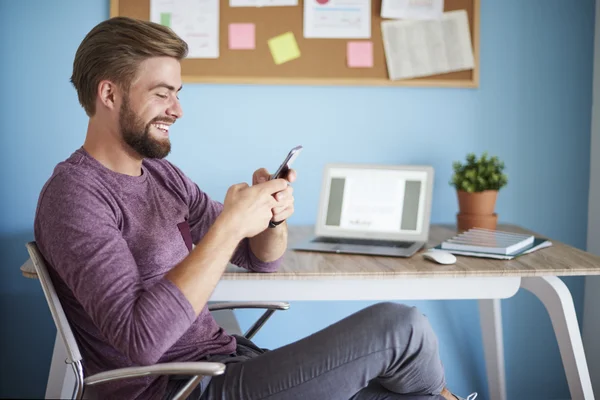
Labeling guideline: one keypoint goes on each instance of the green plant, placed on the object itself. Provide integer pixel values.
(477, 175)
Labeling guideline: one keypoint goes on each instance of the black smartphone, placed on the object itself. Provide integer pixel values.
(284, 168)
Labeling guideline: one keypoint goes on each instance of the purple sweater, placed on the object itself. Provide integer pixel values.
(109, 239)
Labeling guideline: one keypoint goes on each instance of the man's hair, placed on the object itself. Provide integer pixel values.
(114, 49)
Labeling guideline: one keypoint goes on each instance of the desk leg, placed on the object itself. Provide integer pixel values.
(61, 379)
(555, 296)
(490, 315)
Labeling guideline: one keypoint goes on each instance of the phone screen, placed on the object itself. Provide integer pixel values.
(285, 165)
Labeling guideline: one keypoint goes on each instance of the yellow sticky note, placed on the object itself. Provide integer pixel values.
(284, 48)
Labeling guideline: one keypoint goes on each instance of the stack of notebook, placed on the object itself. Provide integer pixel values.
(478, 242)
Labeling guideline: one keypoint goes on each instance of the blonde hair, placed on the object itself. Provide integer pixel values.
(114, 49)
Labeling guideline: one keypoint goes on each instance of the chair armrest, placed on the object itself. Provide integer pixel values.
(175, 368)
(271, 305)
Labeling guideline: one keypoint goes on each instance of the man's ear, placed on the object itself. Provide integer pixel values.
(107, 94)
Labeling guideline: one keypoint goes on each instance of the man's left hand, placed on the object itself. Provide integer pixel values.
(285, 199)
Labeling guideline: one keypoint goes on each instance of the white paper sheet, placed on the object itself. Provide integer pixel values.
(421, 48)
(337, 19)
(262, 3)
(372, 202)
(195, 21)
(412, 9)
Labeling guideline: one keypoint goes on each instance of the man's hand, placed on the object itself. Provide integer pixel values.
(246, 213)
(270, 244)
(285, 198)
(249, 208)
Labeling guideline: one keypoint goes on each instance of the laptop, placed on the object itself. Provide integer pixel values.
(372, 209)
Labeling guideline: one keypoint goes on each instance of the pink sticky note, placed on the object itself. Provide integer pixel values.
(360, 54)
(241, 37)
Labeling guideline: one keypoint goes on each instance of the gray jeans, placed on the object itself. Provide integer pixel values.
(383, 352)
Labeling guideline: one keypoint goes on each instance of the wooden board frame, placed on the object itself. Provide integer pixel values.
(471, 81)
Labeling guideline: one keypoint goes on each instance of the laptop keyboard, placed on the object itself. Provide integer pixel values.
(364, 242)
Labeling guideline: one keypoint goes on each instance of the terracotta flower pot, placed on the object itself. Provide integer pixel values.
(478, 203)
(468, 221)
(476, 210)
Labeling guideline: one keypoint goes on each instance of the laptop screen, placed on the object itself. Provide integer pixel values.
(389, 201)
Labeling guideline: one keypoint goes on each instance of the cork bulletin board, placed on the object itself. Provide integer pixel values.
(322, 61)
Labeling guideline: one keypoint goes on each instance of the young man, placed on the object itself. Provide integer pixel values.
(116, 223)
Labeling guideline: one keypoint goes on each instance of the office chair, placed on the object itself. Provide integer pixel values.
(197, 370)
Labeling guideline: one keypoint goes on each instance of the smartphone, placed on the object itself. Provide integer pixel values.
(284, 168)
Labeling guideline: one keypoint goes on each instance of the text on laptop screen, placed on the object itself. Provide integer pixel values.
(376, 200)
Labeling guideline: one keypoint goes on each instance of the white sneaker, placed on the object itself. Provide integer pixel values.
(472, 396)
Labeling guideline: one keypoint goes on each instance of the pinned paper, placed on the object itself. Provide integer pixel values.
(284, 48)
(337, 19)
(242, 36)
(412, 9)
(422, 48)
(195, 21)
(262, 3)
(360, 54)
(165, 19)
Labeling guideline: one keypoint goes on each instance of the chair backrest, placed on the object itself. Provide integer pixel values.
(58, 314)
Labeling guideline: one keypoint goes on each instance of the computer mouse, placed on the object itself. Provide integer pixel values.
(440, 256)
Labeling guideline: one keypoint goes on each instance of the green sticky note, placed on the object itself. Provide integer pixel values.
(284, 48)
(165, 19)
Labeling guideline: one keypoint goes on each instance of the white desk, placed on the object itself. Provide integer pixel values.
(320, 276)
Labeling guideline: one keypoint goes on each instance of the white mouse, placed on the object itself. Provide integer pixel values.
(440, 256)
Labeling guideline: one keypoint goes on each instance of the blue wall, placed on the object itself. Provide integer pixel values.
(532, 109)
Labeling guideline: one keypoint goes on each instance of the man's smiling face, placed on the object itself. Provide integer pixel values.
(151, 106)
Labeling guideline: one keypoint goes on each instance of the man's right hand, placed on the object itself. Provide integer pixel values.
(246, 212)
(249, 208)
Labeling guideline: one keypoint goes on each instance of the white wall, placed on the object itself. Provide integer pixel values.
(591, 314)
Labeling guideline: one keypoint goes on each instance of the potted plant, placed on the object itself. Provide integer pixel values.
(477, 183)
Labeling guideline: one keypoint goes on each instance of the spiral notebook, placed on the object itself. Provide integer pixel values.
(487, 243)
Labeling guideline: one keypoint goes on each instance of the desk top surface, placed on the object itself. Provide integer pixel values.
(558, 260)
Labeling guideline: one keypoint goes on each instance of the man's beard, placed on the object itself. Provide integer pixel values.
(137, 135)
